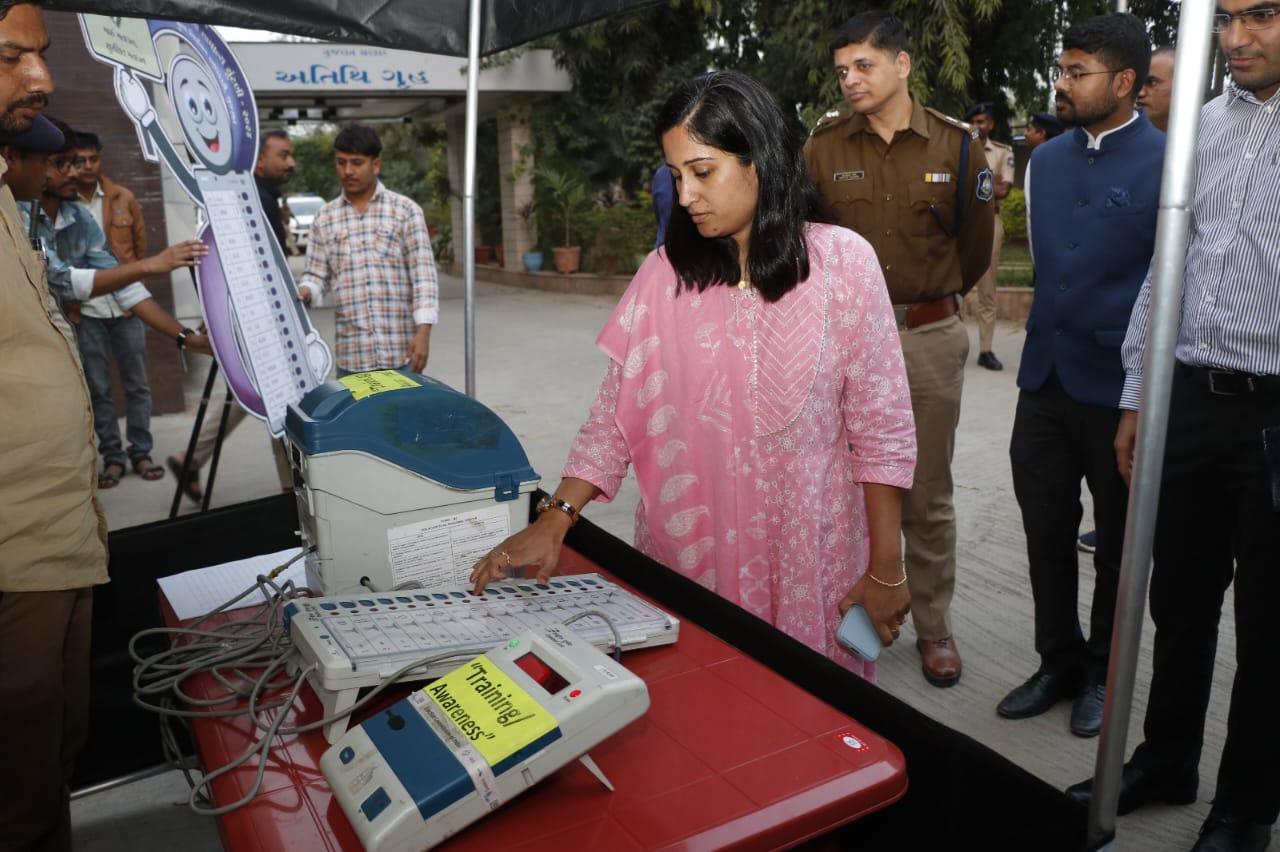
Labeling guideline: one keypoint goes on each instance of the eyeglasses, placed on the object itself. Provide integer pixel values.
(1073, 76)
(63, 164)
(1253, 19)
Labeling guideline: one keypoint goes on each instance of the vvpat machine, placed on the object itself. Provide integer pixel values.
(401, 482)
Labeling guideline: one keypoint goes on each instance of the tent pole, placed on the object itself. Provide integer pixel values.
(469, 195)
(1177, 191)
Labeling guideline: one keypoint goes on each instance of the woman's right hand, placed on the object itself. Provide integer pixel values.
(537, 545)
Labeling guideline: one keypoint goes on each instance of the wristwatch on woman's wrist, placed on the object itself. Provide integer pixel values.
(563, 505)
(181, 337)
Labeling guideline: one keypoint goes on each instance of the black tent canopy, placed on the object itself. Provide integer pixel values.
(427, 26)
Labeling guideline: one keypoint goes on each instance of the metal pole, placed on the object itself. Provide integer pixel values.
(1191, 69)
(1122, 5)
(469, 195)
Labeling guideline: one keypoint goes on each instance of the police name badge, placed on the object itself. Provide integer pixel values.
(937, 177)
(843, 176)
(986, 188)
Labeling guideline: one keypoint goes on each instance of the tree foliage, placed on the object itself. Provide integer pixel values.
(624, 67)
(962, 51)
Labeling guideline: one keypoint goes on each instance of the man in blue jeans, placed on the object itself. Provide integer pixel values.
(80, 267)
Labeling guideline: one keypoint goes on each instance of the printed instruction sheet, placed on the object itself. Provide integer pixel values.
(441, 551)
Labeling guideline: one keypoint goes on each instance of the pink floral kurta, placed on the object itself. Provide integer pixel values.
(751, 427)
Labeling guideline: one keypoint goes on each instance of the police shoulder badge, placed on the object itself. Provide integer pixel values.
(986, 185)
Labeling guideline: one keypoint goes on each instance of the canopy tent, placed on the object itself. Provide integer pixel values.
(470, 28)
(427, 26)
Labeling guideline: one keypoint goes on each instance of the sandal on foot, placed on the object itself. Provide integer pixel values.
(147, 469)
(110, 478)
(191, 487)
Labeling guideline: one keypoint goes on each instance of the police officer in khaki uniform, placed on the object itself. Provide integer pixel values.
(915, 184)
(999, 158)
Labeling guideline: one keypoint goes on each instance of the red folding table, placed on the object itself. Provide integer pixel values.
(729, 755)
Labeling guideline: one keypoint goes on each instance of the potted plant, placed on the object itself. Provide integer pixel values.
(533, 258)
(568, 195)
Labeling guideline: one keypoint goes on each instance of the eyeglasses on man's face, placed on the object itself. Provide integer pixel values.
(1253, 19)
(1073, 75)
(64, 164)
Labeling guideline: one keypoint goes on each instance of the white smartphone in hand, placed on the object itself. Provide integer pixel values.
(858, 634)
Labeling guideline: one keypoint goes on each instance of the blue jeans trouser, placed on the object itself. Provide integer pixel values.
(124, 340)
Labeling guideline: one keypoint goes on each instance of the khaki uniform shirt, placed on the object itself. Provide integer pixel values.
(902, 198)
(53, 535)
(1000, 160)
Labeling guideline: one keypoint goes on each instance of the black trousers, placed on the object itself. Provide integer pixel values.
(1057, 442)
(1216, 523)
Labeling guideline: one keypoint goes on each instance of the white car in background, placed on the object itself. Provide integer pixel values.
(304, 209)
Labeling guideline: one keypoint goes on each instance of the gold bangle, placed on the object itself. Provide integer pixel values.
(889, 585)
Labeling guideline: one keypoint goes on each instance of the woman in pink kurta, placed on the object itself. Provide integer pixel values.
(753, 425)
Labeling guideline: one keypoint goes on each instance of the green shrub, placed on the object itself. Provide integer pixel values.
(1013, 213)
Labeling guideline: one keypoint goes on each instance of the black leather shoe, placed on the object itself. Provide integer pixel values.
(1140, 785)
(1042, 690)
(1223, 832)
(990, 361)
(1086, 713)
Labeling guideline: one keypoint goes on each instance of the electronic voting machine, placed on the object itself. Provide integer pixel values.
(433, 763)
(348, 643)
(401, 481)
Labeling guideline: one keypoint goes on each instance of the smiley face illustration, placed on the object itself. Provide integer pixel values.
(207, 92)
(202, 112)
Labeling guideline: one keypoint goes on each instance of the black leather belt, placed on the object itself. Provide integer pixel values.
(1231, 382)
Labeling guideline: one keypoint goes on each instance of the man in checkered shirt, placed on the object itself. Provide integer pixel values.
(370, 250)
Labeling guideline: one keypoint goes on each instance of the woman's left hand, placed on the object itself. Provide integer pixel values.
(887, 606)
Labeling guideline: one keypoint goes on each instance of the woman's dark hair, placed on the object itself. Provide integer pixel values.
(735, 113)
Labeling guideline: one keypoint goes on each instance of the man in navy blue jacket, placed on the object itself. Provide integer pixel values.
(1092, 198)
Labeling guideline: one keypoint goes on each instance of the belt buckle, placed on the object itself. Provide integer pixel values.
(1213, 383)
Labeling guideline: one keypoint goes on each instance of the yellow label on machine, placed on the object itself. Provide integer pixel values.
(490, 709)
(364, 385)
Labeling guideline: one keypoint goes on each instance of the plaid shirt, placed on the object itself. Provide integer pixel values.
(381, 274)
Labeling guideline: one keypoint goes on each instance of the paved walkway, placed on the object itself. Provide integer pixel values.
(538, 369)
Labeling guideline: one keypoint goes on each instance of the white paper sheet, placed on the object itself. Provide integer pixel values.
(194, 593)
(441, 551)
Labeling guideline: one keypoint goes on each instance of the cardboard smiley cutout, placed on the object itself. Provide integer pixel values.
(263, 339)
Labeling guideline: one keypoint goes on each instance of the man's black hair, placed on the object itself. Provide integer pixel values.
(69, 136)
(84, 139)
(1047, 123)
(276, 133)
(1119, 40)
(6, 5)
(876, 27)
(358, 139)
(980, 108)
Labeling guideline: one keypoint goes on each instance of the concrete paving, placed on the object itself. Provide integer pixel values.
(539, 370)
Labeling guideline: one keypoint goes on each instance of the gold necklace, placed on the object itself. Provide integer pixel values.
(744, 284)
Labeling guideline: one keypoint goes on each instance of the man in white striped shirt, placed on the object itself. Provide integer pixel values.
(1218, 515)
